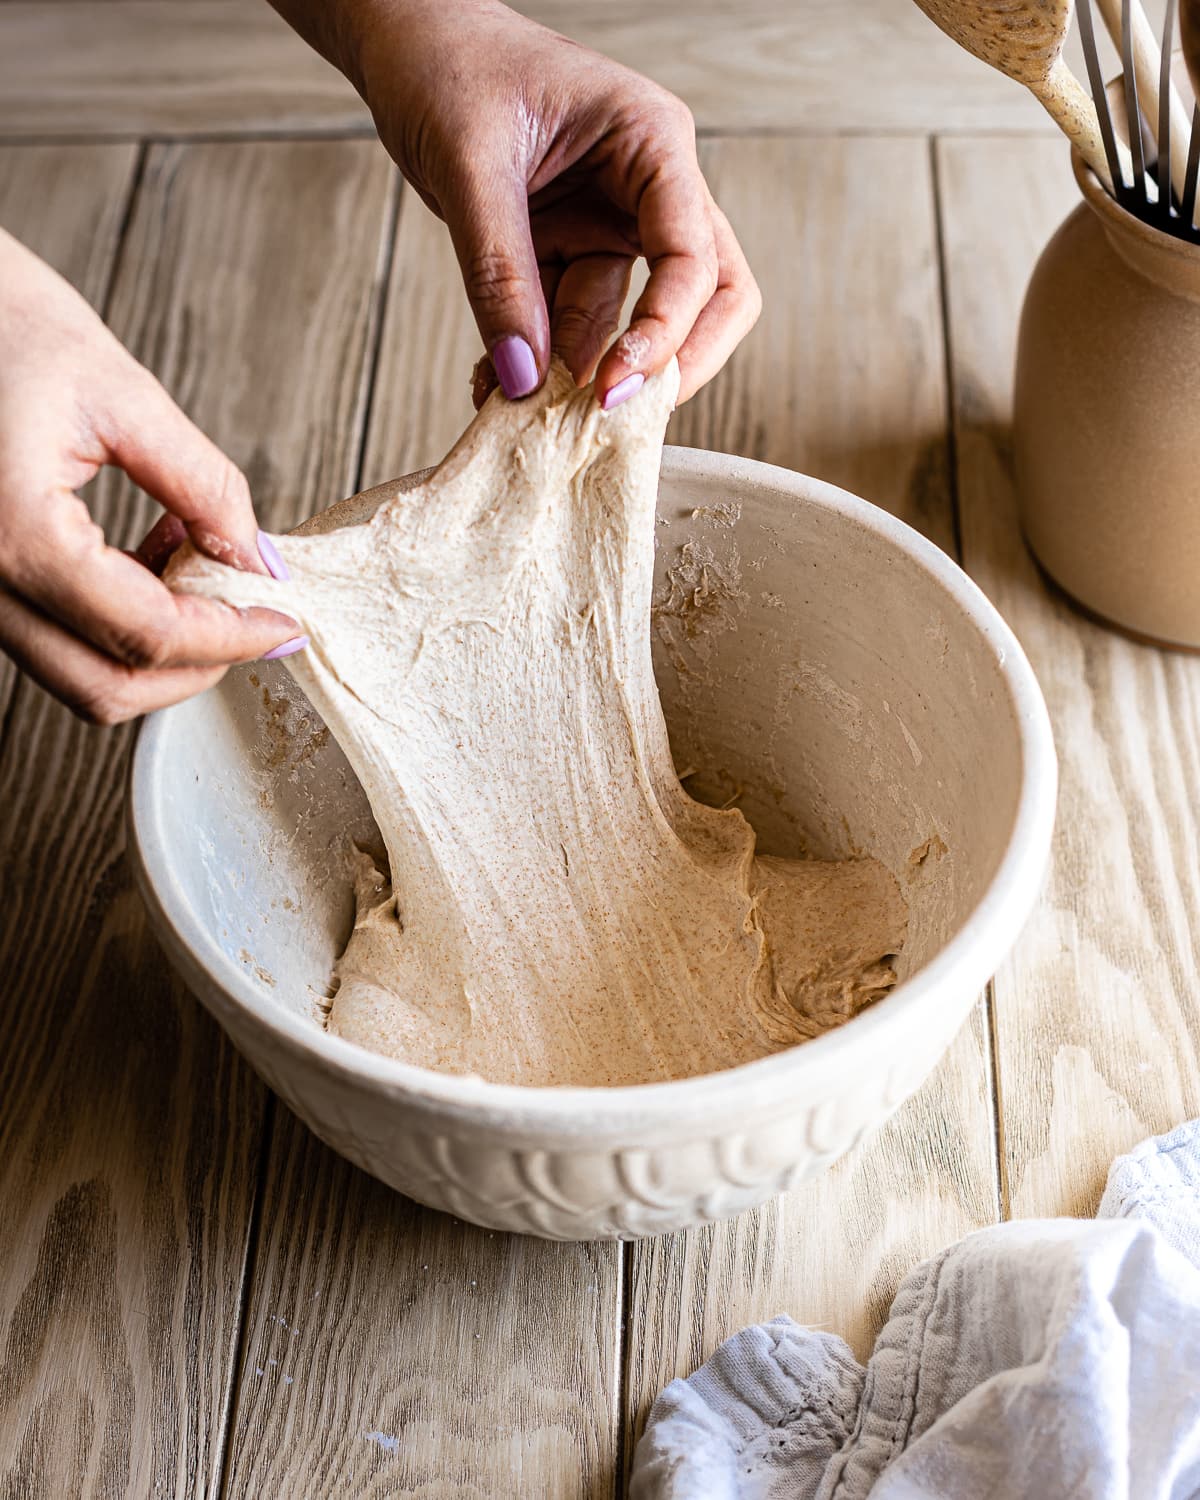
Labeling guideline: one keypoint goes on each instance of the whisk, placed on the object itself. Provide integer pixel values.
(1160, 187)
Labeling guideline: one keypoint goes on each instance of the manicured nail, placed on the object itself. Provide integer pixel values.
(516, 368)
(288, 648)
(276, 566)
(623, 389)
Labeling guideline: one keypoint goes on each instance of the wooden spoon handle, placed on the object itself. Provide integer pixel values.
(1069, 106)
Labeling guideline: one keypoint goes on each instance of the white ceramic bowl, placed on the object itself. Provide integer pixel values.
(841, 674)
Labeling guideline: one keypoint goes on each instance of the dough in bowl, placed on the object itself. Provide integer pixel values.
(556, 909)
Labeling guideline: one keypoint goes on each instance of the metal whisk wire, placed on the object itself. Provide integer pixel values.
(1149, 195)
(1164, 112)
(1091, 56)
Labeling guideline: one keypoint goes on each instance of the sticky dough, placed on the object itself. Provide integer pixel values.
(557, 910)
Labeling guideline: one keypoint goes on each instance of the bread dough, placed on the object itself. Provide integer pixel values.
(558, 910)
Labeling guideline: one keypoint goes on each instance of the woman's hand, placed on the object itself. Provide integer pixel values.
(90, 623)
(554, 168)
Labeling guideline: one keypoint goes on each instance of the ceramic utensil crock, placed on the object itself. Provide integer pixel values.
(1106, 419)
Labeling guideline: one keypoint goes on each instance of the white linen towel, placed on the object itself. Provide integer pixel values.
(1048, 1358)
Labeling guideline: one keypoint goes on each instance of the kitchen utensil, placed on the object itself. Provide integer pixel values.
(1146, 61)
(846, 684)
(1024, 40)
(1110, 333)
(1154, 115)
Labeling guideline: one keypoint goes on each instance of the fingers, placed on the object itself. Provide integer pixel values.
(730, 314)
(117, 606)
(586, 309)
(171, 459)
(488, 221)
(678, 238)
(88, 621)
(95, 687)
(585, 298)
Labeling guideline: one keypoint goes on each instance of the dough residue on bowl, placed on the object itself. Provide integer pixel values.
(556, 909)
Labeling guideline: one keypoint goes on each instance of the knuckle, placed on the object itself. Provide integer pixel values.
(684, 119)
(222, 505)
(232, 487)
(676, 113)
(131, 391)
(104, 702)
(752, 299)
(492, 280)
(140, 647)
(571, 324)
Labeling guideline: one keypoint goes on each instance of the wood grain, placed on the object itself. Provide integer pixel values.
(431, 1357)
(843, 378)
(228, 66)
(421, 398)
(129, 1131)
(392, 1350)
(843, 375)
(66, 203)
(1097, 1020)
(386, 1349)
(140, 67)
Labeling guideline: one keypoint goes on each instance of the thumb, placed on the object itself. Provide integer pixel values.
(488, 219)
(168, 456)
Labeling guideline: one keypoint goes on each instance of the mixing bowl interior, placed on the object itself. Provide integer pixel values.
(814, 670)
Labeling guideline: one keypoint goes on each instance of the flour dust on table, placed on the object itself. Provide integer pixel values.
(557, 909)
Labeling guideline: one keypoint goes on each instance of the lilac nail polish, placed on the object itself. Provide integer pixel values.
(623, 389)
(516, 368)
(287, 648)
(269, 553)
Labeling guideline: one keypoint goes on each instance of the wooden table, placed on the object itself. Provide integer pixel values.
(196, 1297)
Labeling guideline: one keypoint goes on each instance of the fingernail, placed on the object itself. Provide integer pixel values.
(623, 389)
(269, 553)
(516, 368)
(288, 648)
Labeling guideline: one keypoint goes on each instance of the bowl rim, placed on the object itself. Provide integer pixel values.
(963, 966)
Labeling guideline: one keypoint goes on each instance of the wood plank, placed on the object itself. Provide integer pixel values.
(393, 1350)
(138, 67)
(421, 398)
(129, 1131)
(843, 377)
(222, 66)
(66, 203)
(431, 1357)
(1097, 1020)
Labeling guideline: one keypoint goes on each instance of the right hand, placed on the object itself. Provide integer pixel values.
(92, 624)
(554, 169)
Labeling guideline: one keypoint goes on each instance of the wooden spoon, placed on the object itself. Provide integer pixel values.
(1189, 35)
(1024, 40)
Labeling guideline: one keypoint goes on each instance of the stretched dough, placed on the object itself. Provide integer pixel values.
(558, 910)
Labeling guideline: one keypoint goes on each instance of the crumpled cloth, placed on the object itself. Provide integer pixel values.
(1048, 1358)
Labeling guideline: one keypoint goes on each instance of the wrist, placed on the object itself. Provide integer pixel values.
(370, 41)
